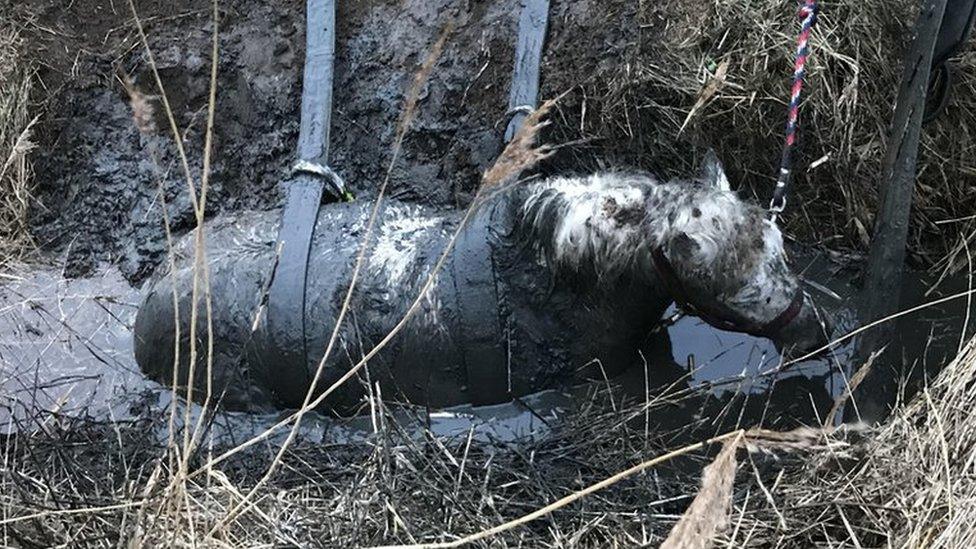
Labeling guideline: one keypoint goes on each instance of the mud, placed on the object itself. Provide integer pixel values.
(99, 178)
(66, 347)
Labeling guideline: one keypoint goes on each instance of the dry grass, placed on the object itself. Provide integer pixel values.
(708, 514)
(16, 126)
(104, 483)
(911, 485)
(720, 70)
(90, 483)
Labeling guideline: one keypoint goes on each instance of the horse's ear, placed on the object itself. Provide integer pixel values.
(712, 173)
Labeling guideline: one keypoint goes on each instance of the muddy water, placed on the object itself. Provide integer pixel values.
(66, 346)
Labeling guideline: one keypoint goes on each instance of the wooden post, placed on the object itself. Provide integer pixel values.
(883, 279)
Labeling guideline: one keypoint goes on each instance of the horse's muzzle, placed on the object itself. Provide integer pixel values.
(810, 335)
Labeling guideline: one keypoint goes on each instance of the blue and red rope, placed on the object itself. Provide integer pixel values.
(808, 16)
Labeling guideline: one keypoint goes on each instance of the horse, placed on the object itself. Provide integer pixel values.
(551, 282)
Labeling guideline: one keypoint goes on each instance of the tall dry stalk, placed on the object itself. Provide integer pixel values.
(708, 513)
(176, 492)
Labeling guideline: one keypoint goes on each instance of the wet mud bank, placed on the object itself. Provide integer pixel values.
(99, 177)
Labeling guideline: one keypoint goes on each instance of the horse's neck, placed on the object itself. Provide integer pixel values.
(601, 222)
(581, 227)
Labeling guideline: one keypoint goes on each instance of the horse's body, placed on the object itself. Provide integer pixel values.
(549, 283)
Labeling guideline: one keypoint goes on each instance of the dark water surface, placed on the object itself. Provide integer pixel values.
(66, 346)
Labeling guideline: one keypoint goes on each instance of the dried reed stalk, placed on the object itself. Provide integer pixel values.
(708, 514)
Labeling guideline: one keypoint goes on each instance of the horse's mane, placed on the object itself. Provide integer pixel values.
(609, 223)
(588, 223)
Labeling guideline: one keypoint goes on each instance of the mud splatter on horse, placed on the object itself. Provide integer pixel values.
(552, 282)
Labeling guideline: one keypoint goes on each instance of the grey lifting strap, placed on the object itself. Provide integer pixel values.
(285, 353)
(482, 339)
(524, 94)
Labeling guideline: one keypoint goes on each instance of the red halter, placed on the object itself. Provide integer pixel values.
(719, 317)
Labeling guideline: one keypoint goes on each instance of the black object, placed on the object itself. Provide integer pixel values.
(286, 348)
(479, 329)
(957, 22)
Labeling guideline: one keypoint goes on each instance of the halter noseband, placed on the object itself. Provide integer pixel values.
(722, 319)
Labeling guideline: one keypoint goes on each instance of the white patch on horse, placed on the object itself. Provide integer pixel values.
(402, 232)
(710, 219)
(769, 288)
(430, 315)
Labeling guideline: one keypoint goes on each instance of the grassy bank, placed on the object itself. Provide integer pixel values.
(908, 483)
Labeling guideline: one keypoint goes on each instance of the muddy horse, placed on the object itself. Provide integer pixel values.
(551, 282)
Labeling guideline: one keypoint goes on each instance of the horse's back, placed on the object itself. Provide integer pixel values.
(240, 255)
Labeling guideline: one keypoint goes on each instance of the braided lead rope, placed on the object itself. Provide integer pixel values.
(808, 14)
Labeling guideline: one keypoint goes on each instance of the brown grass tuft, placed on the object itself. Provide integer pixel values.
(522, 152)
(16, 129)
(420, 79)
(143, 112)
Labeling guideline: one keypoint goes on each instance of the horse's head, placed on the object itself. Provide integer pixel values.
(723, 260)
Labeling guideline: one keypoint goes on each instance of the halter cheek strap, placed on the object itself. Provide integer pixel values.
(723, 319)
